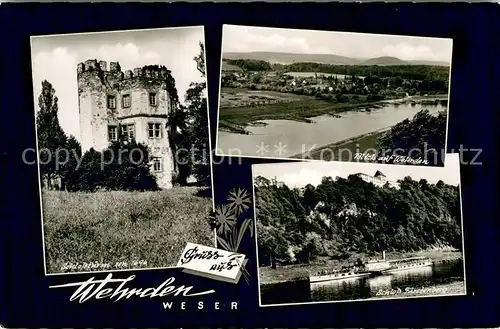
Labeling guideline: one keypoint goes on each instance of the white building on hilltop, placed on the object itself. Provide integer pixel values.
(379, 179)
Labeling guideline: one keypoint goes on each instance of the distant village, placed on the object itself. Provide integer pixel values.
(336, 87)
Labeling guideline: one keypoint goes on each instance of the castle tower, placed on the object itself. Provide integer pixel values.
(134, 104)
(91, 94)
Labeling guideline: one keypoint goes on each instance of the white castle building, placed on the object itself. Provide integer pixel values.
(379, 180)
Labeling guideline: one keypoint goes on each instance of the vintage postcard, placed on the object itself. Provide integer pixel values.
(338, 231)
(321, 95)
(123, 147)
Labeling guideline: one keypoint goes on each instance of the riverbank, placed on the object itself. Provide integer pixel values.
(426, 100)
(345, 149)
(284, 106)
(301, 271)
(236, 119)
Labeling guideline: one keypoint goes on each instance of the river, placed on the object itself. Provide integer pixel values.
(299, 137)
(425, 281)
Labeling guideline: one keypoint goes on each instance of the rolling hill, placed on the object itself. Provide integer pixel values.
(384, 61)
(289, 58)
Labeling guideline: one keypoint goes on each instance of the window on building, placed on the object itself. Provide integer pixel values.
(157, 164)
(111, 102)
(128, 132)
(126, 101)
(112, 133)
(152, 99)
(154, 130)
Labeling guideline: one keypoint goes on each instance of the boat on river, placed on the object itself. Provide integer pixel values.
(385, 266)
(351, 273)
(377, 266)
(408, 264)
(371, 268)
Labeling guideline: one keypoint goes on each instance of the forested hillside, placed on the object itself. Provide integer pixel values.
(404, 71)
(422, 137)
(344, 216)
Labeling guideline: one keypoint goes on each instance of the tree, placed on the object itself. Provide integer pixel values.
(197, 110)
(188, 127)
(127, 167)
(177, 126)
(424, 135)
(68, 170)
(200, 60)
(273, 245)
(313, 245)
(50, 135)
(88, 177)
(123, 166)
(195, 136)
(310, 197)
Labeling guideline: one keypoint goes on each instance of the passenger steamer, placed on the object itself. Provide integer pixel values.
(372, 268)
(350, 273)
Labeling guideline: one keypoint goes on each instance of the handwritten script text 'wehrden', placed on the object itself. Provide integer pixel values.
(100, 289)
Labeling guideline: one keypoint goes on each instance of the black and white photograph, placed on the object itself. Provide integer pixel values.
(345, 231)
(323, 95)
(123, 148)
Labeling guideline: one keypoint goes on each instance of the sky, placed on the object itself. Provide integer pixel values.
(355, 45)
(55, 58)
(299, 174)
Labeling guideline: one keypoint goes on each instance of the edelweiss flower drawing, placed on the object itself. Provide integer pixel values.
(239, 200)
(230, 230)
(225, 218)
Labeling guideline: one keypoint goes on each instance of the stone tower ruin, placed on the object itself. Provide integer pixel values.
(131, 104)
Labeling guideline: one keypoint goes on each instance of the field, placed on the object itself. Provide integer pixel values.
(229, 67)
(233, 97)
(241, 107)
(298, 272)
(118, 229)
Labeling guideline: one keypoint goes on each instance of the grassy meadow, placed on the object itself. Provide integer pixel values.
(122, 230)
(237, 97)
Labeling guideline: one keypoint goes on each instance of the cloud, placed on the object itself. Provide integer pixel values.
(55, 58)
(406, 51)
(179, 61)
(239, 40)
(59, 68)
(357, 45)
(128, 55)
(307, 176)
